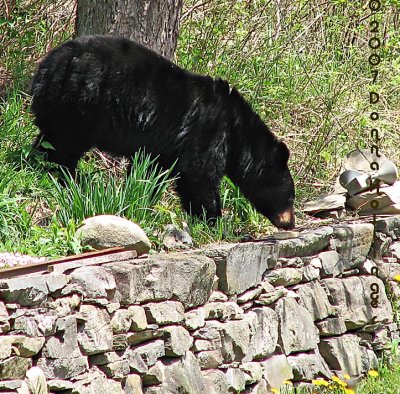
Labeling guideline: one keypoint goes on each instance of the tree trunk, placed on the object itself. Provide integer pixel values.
(153, 23)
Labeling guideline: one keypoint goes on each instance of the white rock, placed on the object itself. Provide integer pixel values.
(106, 231)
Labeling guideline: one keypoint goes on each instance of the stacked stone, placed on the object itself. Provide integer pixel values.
(240, 318)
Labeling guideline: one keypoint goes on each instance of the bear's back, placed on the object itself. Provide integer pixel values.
(89, 69)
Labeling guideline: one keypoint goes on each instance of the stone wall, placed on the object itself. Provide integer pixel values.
(228, 318)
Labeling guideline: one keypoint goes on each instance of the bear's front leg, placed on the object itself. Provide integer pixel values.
(200, 197)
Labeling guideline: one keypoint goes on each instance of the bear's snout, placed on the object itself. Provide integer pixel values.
(285, 220)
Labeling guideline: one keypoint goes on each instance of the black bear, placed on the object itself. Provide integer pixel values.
(116, 95)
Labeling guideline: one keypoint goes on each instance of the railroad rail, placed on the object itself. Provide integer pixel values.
(64, 264)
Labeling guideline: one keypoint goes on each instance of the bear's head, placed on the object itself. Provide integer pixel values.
(268, 184)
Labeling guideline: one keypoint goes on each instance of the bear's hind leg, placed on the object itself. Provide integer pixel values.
(200, 196)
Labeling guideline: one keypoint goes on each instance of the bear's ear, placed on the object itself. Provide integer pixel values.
(283, 154)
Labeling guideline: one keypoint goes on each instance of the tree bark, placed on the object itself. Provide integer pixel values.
(153, 23)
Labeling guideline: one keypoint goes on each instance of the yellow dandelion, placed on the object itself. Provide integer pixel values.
(396, 278)
(346, 376)
(349, 391)
(338, 381)
(288, 382)
(275, 390)
(320, 382)
(373, 373)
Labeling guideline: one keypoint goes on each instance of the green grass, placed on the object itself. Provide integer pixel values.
(95, 192)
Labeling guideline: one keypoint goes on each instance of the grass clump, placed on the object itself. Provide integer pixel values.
(94, 192)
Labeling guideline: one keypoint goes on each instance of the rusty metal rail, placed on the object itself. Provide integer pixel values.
(66, 263)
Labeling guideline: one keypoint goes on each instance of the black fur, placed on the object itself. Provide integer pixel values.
(119, 96)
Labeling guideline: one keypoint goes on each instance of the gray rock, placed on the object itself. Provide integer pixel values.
(353, 242)
(195, 318)
(315, 300)
(95, 282)
(284, 276)
(186, 375)
(113, 306)
(156, 390)
(255, 336)
(155, 375)
(64, 306)
(6, 343)
(352, 296)
(260, 388)
(177, 341)
(209, 359)
(271, 296)
(308, 366)
(249, 295)
(175, 238)
(150, 352)
(104, 358)
(236, 379)
(332, 263)
(120, 342)
(387, 270)
(133, 318)
(389, 226)
(33, 324)
(94, 333)
(65, 343)
(60, 385)
(276, 370)
(166, 312)
(96, 382)
(134, 338)
(380, 246)
(106, 231)
(307, 244)
(27, 346)
(121, 321)
(56, 282)
(200, 345)
(266, 332)
(222, 310)
(138, 318)
(394, 250)
(133, 384)
(10, 385)
(236, 338)
(216, 382)
(211, 332)
(185, 277)
(14, 367)
(116, 370)
(331, 326)
(135, 361)
(241, 266)
(4, 319)
(253, 372)
(297, 330)
(183, 376)
(63, 368)
(217, 295)
(26, 291)
(36, 381)
(354, 361)
(310, 273)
